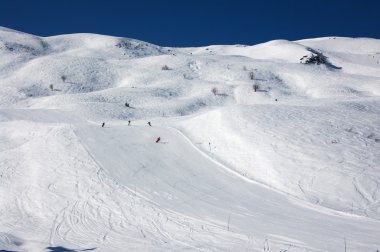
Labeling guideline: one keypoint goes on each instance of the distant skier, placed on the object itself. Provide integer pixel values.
(127, 104)
(158, 139)
(129, 122)
(149, 124)
(103, 124)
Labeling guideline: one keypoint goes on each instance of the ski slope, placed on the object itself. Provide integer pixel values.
(291, 167)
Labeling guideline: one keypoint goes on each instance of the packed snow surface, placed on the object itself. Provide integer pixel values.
(292, 166)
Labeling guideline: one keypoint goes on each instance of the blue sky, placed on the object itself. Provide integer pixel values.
(196, 22)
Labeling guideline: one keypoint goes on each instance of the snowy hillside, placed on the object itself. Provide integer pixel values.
(291, 166)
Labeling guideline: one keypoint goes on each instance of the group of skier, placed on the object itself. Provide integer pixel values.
(129, 124)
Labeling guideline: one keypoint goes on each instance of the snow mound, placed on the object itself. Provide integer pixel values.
(359, 56)
(93, 45)
(277, 51)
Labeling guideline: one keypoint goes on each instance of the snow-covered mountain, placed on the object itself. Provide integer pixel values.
(292, 166)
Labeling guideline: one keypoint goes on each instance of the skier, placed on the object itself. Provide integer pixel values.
(127, 104)
(149, 124)
(158, 139)
(129, 122)
(103, 124)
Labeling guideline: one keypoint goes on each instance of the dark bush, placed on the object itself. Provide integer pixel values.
(255, 87)
(214, 90)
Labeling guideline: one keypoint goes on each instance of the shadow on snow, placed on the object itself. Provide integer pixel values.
(63, 249)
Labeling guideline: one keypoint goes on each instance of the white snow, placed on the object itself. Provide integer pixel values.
(294, 166)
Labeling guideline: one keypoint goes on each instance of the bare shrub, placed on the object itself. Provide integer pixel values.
(256, 87)
(251, 75)
(214, 90)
